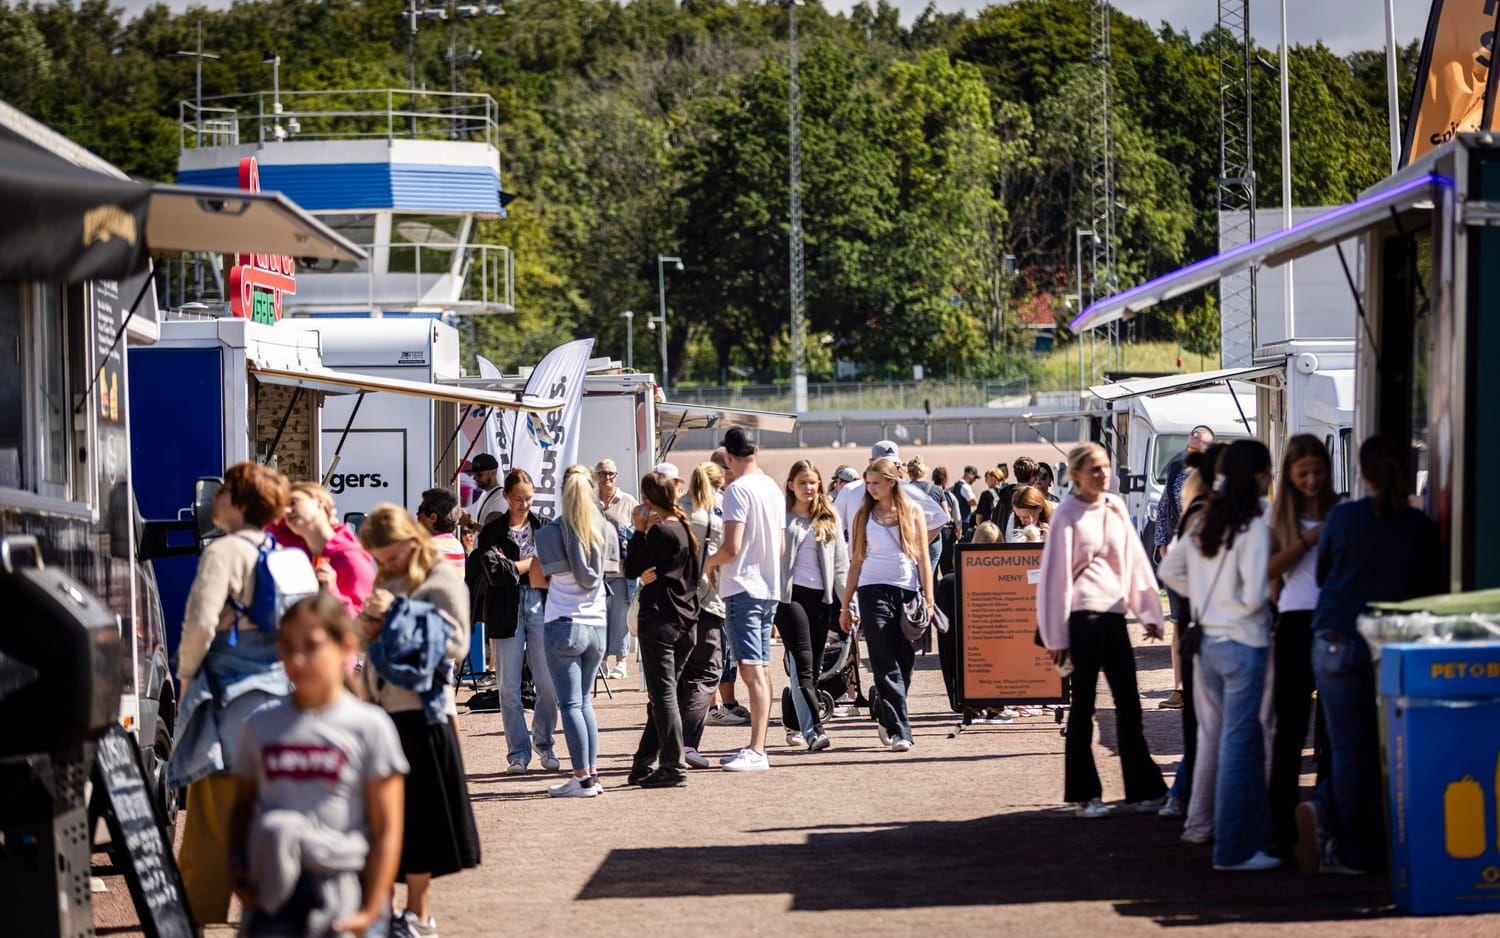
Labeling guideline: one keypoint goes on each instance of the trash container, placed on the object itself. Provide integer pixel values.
(1440, 704)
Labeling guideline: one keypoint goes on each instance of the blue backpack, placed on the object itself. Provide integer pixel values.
(283, 576)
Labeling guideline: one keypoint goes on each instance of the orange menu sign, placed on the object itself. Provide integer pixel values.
(999, 661)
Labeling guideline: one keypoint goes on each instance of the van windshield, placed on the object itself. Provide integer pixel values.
(1168, 447)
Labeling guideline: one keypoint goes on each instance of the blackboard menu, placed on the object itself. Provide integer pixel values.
(138, 844)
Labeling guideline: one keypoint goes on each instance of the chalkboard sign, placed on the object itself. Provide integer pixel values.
(137, 842)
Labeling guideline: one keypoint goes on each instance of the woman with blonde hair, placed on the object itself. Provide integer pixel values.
(705, 664)
(1094, 570)
(888, 570)
(440, 837)
(575, 549)
(814, 567)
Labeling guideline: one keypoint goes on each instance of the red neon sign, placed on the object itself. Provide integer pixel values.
(257, 282)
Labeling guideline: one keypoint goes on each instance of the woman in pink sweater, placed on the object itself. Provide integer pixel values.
(1094, 570)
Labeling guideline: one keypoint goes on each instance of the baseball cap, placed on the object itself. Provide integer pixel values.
(669, 470)
(885, 449)
(738, 443)
(484, 462)
(846, 474)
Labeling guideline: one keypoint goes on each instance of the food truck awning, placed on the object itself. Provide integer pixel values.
(62, 222)
(1176, 384)
(1308, 236)
(328, 381)
(673, 419)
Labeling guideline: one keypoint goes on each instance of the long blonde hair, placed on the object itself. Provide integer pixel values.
(909, 517)
(580, 508)
(825, 521)
(704, 486)
(391, 524)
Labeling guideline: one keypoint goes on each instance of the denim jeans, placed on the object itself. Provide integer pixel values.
(618, 604)
(891, 655)
(747, 628)
(510, 654)
(1234, 675)
(574, 652)
(1351, 793)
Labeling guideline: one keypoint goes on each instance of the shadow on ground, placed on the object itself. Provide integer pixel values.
(1132, 861)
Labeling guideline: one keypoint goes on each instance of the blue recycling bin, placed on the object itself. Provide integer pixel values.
(1441, 709)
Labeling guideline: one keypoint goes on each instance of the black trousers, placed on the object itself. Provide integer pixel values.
(700, 679)
(1292, 702)
(803, 626)
(664, 655)
(891, 655)
(1099, 642)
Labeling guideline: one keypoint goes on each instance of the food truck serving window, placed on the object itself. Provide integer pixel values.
(43, 369)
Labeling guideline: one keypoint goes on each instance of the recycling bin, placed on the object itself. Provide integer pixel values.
(1441, 709)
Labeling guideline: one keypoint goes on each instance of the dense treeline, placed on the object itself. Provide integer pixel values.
(628, 129)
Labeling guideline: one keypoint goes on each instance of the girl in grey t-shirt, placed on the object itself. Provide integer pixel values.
(316, 830)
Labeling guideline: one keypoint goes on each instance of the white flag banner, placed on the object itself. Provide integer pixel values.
(546, 444)
(494, 432)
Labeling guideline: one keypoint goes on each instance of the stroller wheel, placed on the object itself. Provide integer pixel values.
(825, 706)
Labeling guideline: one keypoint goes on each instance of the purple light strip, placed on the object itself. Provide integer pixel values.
(1123, 300)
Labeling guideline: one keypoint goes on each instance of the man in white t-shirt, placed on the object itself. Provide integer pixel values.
(749, 570)
(851, 496)
(485, 471)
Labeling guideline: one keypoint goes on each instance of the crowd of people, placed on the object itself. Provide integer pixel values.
(330, 695)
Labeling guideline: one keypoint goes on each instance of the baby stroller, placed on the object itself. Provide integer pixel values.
(839, 674)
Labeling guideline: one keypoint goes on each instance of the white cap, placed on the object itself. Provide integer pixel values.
(885, 449)
(669, 470)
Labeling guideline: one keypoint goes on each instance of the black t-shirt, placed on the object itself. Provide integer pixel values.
(673, 597)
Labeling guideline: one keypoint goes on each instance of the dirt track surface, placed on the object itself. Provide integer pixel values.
(960, 836)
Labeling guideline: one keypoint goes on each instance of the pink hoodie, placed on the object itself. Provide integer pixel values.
(353, 569)
(1094, 562)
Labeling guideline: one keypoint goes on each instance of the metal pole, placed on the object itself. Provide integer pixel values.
(1391, 92)
(1078, 245)
(198, 99)
(629, 340)
(1288, 314)
(794, 182)
(661, 319)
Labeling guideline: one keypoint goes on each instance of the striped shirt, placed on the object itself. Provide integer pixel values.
(451, 549)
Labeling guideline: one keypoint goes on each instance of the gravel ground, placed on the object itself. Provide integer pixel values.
(961, 836)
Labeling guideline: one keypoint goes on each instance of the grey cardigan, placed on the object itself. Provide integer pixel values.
(560, 552)
(833, 560)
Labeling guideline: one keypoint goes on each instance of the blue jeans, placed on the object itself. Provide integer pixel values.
(747, 628)
(1235, 676)
(1351, 793)
(510, 654)
(891, 655)
(573, 653)
(620, 591)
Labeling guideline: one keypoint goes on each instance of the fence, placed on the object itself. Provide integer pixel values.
(856, 395)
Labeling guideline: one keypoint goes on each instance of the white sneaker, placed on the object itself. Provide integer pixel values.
(1092, 808)
(692, 758)
(900, 745)
(617, 673)
(1258, 862)
(1197, 837)
(885, 738)
(748, 760)
(416, 927)
(795, 740)
(516, 768)
(1172, 808)
(549, 760)
(573, 788)
(725, 760)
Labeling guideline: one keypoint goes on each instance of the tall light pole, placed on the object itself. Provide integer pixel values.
(794, 182)
(200, 55)
(1393, 107)
(661, 295)
(1078, 235)
(1289, 311)
(629, 318)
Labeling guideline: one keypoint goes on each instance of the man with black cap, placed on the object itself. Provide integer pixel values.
(484, 469)
(852, 495)
(749, 564)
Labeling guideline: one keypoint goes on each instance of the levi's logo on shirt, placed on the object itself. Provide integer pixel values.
(302, 763)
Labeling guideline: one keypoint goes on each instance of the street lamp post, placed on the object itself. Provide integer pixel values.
(200, 55)
(661, 317)
(794, 185)
(1078, 235)
(629, 317)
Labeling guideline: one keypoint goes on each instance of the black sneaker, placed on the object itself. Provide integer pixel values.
(665, 778)
(639, 774)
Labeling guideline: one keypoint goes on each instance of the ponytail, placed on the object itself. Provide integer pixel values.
(1383, 466)
(1235, 499)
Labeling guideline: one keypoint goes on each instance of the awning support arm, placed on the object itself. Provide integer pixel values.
(281, 427)
(119, 333)
(457, 429)
(338, 450)
(671, 440)
(1359, 306)
(490, 412)
(1236, 398)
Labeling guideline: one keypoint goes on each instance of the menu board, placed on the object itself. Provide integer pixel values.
(999, 661)
(136, 841)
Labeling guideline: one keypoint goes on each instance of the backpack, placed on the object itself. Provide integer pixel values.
(283, 576)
